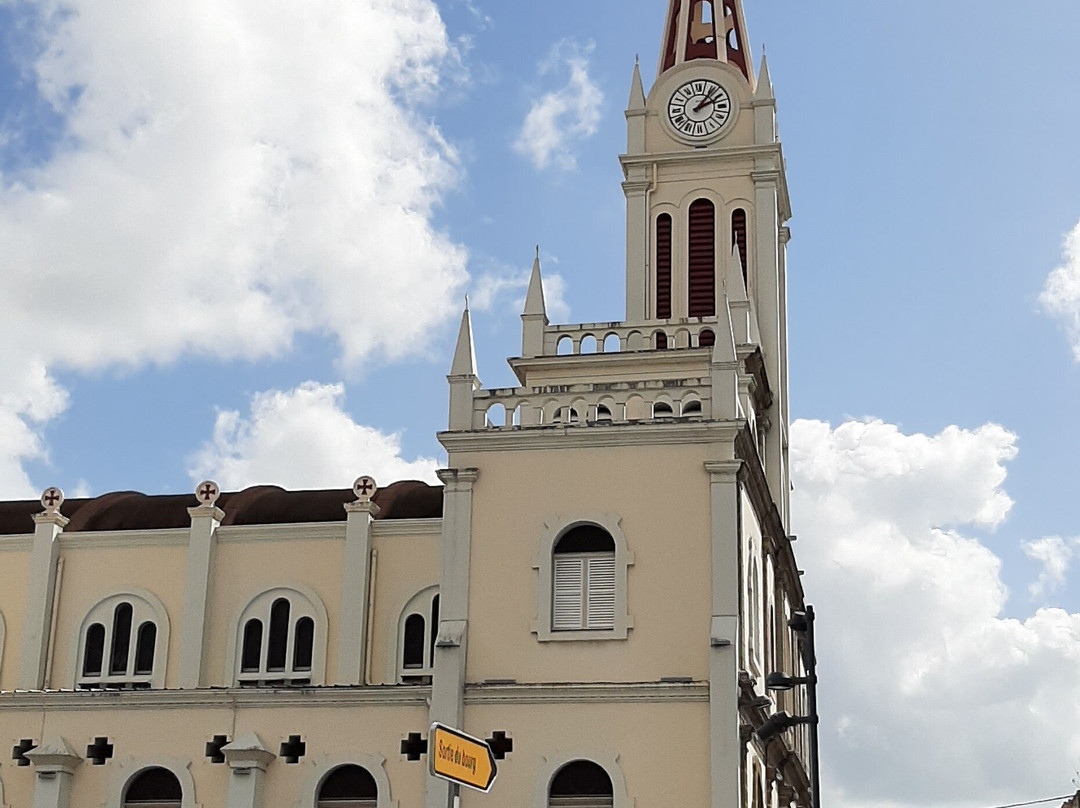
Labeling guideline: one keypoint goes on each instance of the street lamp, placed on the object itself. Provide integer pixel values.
(801, 623)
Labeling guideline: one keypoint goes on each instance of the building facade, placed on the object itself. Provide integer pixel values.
(599, 588)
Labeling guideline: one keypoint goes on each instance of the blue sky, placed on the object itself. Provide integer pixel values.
(219, 254)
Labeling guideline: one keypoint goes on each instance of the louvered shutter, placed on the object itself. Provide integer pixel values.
(601, 592)
(569, 583)
(702, 259)
(663, 266)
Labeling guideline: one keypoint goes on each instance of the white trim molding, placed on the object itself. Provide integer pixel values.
(128, 768)
(555, 527)
(102, 612)
(325, 764)
(553, 761)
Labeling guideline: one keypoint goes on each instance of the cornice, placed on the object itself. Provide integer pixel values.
(96, 539)
(21, 544)
(482, 693)
(406, 527)
(310, 531)
(592, 436)
(757, 151)
(388, 695)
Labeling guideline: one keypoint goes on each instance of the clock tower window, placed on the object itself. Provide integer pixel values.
(701, 267)
(663, 266)
(701, 34)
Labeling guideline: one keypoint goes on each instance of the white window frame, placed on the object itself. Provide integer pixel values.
(420, 604)
(145, 607)
(553, 761)
(555, 528)
(323, 765)
(127, 769)
(303, 602)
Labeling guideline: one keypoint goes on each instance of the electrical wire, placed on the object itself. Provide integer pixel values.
(1035, 802)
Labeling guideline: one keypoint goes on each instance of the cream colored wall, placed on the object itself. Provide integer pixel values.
(662, 747)
(14, 568)
(96, 567)
(406, 564)
(245, 568)
(662, 495)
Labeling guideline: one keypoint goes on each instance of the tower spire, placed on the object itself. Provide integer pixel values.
(705, 29)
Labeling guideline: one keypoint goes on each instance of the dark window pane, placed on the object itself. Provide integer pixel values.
(279, 635)
(121, 639)
(154, 785)
(582, 778)
(95, 650)
(144, 649)
(347, 783)
(434, 627)
(412, 655)
(249, 659)
(586, 539)
(303, 644)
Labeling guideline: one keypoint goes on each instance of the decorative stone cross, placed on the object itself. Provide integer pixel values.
(364, 488)
(500, 745)
(213, 748)
(99, 751)
(208, 492)
(52, 499)
(18, 753)
(414, 746)
(293, 749)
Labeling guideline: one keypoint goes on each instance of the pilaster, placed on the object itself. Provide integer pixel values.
(54, 765)
(355, 583)
(725, 748)
(636, 189)
(205, 519)
(41, 591)
(448, 682)
(247, 758)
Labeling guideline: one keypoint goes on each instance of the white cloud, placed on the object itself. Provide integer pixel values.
(560, 118)
(231, 174)
(1055, 554)
(1061, 294)
(506, 288)
(929, 695)
(302, 438)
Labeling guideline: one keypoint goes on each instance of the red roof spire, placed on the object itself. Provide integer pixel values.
(705, 29)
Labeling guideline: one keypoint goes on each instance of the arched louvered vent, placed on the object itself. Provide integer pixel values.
(663, 266)
(738, 236)
(702, 264)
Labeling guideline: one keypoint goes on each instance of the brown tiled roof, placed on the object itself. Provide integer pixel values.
(259, 505)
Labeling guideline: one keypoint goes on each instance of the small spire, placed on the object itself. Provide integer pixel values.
(465, 353)
(534, 299)
(764, 90)
(466, 301)
(735, 283)
(637, 91)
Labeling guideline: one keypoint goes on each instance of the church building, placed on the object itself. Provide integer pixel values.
(599, 588)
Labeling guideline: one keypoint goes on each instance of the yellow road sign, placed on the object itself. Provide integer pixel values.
(460, 758)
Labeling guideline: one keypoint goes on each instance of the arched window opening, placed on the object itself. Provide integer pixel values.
(121, 640)
(701, 41)
(144, 649)
(735, 53)
(707, 338)
(280, 640)
(663, 266)
(660, 338)
(496, 415)
(691, 407)
(251, 652)
(603, 413)
(661, 409)
(588, 344)
(701, 266)
(612, 343)
(278, 637)
(434, 629)
(565, 346)
(584, 580)
(412, 654)
(95, 650)
(154, 788)
(348, 786)
(582, 784)
(304, 644)
(738, 238)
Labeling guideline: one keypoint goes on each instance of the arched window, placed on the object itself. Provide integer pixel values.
(584, 584)
(348, 786)
(738, 238)
(663, 266)
(153, 788)
(417, 631)
(707, 338)
(581, 784)
(661, 409)
(122, 644)
(281, 640)
(701, 266)
(701, 36)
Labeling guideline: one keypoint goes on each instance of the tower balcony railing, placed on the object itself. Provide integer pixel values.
(618, 337)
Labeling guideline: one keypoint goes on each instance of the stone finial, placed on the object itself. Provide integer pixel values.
(364, 488)
(51, 499)
(207, 492)
(54, 755)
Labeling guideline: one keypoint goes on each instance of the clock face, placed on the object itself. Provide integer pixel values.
(699, 108)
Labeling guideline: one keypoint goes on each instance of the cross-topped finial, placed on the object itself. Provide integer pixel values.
(52, 498)
(364, 488)
(207, 492)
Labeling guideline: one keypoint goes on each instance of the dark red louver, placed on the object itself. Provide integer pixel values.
(672, 38)
(702, 264)
(738, 236)
(736, 53)
(663, 266)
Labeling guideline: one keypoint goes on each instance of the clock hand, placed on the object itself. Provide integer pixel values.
(706, 100)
